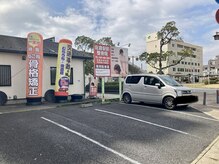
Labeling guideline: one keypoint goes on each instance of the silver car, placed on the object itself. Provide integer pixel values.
(156, 89)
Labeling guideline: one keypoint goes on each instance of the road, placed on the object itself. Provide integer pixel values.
(114, 133)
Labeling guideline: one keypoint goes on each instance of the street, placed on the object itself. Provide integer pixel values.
(113, 133)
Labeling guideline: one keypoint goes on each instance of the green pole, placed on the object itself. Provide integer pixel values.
(84, 78)
(103, 90)
(120, 88)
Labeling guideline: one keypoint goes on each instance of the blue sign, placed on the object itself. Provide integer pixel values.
(217, 1)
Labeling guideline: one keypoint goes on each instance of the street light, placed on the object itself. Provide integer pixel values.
(216, 36)
(128, 44)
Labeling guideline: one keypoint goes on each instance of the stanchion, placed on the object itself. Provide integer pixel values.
(217, 96)
(204, 98)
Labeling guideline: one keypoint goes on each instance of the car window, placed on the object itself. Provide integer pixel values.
(133, 79)
(151, 80)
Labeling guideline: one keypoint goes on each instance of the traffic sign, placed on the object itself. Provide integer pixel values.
(217, 1)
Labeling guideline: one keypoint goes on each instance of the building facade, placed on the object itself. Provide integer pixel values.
(212, 69)
(13, 67)
(190, 67)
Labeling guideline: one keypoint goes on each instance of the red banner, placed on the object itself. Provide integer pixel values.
(102, 61)
(34, 65)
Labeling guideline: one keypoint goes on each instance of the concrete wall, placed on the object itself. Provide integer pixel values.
(18, 74)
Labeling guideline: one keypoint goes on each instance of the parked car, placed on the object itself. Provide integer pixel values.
(156, 89)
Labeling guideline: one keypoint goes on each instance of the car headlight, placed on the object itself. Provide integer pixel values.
(178, 93)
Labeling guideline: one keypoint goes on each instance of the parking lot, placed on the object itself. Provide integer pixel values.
(113, 133)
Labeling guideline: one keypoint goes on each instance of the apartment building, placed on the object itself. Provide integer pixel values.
(212, 68)
(189, 68)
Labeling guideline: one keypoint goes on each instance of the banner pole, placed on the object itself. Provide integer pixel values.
(120, 89)
(103, 90)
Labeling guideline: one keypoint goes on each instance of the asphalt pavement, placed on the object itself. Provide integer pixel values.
(110, 133)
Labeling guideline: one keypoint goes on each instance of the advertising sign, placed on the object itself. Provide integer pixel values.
(63, 68)
(102, 60)
(119, 62)
(34, 65)
(93, 88)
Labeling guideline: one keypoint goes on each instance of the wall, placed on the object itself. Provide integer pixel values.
(18, 74)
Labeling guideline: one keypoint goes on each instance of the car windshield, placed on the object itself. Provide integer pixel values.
(170, 81)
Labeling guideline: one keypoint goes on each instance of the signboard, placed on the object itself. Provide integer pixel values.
(93, 88)
(102, 61)
(119, 62)
(63, 68)
(34, 65)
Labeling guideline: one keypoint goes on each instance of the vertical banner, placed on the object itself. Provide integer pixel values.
(34, 67)
(102, 60)
(119, 62)
(63, 68)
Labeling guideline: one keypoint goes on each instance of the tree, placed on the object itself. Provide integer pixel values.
(133, 69)
(165, 35)
(86, 44)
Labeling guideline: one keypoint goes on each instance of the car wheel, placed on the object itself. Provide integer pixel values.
(127, 98)
(168, 103)
(50, 96)
(3, 98)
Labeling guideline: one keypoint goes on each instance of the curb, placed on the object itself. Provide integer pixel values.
(204, 152)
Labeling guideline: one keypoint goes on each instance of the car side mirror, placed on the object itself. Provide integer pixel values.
(158, 85)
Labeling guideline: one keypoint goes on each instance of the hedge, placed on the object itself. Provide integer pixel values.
(110, 87)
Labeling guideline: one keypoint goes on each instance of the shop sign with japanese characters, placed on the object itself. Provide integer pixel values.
(34, 65)
(102, 61)
(63, 67)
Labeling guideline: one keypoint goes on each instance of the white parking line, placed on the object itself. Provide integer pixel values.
(93, 141)
(147, 122)
(172, 111)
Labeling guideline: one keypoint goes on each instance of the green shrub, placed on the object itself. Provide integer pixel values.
(110, 87)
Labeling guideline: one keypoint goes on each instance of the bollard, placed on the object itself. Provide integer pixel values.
(204, 98)
(217, 96)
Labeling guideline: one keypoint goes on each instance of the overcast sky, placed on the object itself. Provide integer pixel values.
(126, 21)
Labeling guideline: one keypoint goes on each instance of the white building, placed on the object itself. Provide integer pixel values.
(13, 67)
(188, 67)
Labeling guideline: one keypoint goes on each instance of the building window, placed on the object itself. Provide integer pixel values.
(71, 76)
(195, 64)
(192, 63)
(53, 76)
(179, 46)
(194, 49)
(188, 63)
(5, 75)
(185, 63)
(182, 62)
(173, 45)
(198, 64)
(174, 69)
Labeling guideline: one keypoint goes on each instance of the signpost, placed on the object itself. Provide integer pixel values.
(102, 63)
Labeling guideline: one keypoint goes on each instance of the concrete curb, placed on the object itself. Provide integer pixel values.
(204, 152)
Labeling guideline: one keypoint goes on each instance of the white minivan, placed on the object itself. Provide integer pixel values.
(156, 89)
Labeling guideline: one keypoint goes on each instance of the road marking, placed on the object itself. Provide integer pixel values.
(147, 122)
(188, 114)
(93, 141)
